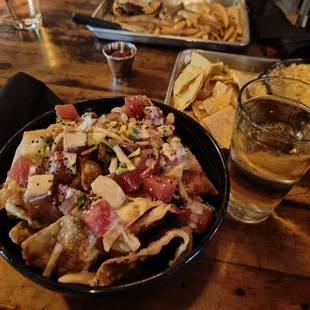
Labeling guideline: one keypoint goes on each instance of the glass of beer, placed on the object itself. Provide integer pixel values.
(270, 146)
(25, 13)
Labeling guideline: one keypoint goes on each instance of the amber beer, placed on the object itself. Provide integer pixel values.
(270, 151)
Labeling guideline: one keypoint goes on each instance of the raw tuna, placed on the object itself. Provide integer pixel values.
(67, 111)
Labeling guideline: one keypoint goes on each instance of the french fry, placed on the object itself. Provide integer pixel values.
(168, 17)
(178, 19)
(233, 36)
(156, 30)
(228, 33)
(188, 16)
(194, 17)
(205, 28)
(189, 24)
(134, 19)
(215, 36)
(211, 20)
(205, 37)
(210, 17)
(170, 31)
(135, 27)
(189, 31)
(239, 30)
(220, 11)
(175, 9)
(159, 22)
(180, 25)
(161, 15)
(150, 27)
(199, 35)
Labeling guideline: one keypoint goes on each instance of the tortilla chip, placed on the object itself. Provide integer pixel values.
(222, 78)
(234, 99)
(116, 268)
(204, 93)
(241, 78)
(199, 110)
(221, 124)
(186, 77)
(191, 114)
(200, 61)
(218, 103)
(188, 95)
(217, 68)
(219, 88)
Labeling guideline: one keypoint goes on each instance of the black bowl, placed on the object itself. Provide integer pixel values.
(192, 134)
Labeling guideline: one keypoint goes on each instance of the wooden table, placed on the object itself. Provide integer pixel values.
(265, 266)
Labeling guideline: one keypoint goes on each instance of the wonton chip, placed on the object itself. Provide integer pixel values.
(20, 232)
(128, 215)
(221, 124)
(218, 103)
(175, 173)
(185, 78)
(147, 220)
(38, 248)
(187, 96)
(198, 184)
(116, 268)
(127, 241)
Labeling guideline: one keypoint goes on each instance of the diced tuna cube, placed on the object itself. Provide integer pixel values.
(99, 218)
(39, 188)
(74, 141)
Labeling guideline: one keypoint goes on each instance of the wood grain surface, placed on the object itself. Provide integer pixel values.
(265, 266)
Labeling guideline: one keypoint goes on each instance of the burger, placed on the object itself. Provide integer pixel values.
(135, 7)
